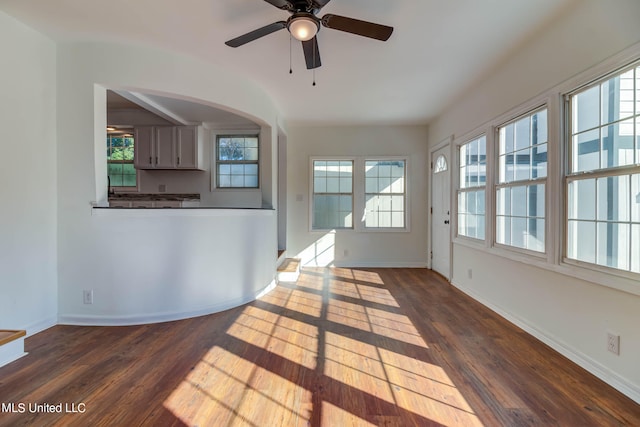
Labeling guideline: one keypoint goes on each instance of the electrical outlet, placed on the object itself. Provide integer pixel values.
(346, 252)
(470, 273)
(162, 188)
(613, 343)
(87, 296)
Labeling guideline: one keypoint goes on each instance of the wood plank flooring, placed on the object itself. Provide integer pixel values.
(341, 347)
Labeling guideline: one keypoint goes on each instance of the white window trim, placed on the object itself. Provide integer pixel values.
(458, 143)
(496, 184)
(359, 195)
(213, 180)
(311, 194)
(556, 206)
(454, 165)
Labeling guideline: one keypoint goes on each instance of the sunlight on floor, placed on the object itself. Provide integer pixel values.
(294, 345)
(225, 390)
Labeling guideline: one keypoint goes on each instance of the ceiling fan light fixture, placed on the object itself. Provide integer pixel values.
(303, 28)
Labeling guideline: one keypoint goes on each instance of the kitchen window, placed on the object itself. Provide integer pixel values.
(120, 169)
(603, 179)
(237, 161)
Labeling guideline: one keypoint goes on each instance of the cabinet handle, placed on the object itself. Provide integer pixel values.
(156, 160)
(150, 161)
(178, 159)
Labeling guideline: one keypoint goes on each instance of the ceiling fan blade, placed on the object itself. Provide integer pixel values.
(311, 53)
(256, 34)
(319, 4)
(358, 27)
(280, 4)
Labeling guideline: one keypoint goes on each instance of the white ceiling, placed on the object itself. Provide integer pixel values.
(439, 48)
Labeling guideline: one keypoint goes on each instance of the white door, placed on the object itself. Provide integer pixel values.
(441, 209)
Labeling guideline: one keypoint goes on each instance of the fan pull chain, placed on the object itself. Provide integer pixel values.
(290, 68)
(314, 64)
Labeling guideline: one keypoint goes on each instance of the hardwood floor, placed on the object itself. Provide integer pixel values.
(341, 347)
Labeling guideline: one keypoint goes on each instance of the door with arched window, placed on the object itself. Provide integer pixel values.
(441, 212)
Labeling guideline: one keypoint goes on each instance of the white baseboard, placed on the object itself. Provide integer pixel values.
(379, 264)
(128, 320)
(40, 326)
(12, 351)
(605, 374)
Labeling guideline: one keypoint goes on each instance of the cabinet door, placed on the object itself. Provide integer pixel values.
(164, 148)
(143, 148)
(187, 148)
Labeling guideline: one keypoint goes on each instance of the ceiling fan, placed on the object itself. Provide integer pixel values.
(303, 24)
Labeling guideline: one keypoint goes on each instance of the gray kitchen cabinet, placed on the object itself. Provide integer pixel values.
(168, 147)
(189, 147)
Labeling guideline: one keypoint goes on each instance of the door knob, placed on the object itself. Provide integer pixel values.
(446, 221)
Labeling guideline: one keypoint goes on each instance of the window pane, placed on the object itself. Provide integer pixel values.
(250, 181)
(518, 232)
(617, 145)
(613, 198)
(582, 199)
(536, 200)
(506, 139)
(535, 235)
(581, 241)
(613, 245)
(539, 161)
(586, 108)
(129, 180)
(523, 165)
(539, 132)
(224, 181)
(251, 169)
(251, 154)
(503, 230)
(114, 169)
(522, 134)
(586, 149)
(617, 98)
(519, 201)
(333, 185)
(237, 180)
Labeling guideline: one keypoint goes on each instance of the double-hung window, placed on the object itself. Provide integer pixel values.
(332, 194)
(471, 190)
(522, 176)
(603, 177)
(385, 193)
(237, 161)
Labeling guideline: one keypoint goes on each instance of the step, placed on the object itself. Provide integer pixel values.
(289, 270)
(11, 345)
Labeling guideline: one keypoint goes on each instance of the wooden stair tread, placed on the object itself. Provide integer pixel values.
(10, 335)
(289, 265)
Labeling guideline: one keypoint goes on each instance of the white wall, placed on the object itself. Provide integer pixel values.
(363, 248)
(88, 248)
(28, 285)
(570, 314)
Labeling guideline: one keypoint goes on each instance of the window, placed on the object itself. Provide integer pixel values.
(522, 172)
(603, 179)
(385, 193)
(332, 194)
(471, 190)
(237, 161)
(120, 169)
